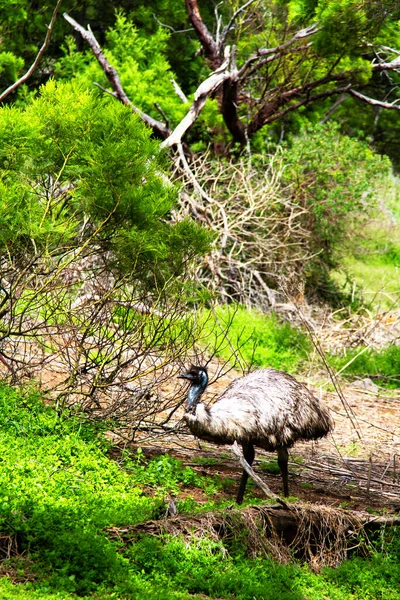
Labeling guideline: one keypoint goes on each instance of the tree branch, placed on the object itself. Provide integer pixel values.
(159, 128)
(230, 104)
(207, 41)
(373, 102)
(271, 111)
(204, 91)
(257, 480)
(39, 55)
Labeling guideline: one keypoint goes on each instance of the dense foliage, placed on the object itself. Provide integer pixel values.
(79, 170)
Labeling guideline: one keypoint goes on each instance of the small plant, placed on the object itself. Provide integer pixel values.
(306, 485)
(270, 466)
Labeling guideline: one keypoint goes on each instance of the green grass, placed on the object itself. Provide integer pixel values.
(260, 339)
(60, 490)
(383, 366)
(375, 277)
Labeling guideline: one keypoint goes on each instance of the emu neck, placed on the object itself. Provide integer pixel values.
(194, 395)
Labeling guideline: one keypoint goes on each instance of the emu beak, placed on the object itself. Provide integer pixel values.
(185, 376)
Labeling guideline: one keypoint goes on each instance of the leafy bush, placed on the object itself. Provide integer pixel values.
(79, 171)
(58, 489)
(333, 178)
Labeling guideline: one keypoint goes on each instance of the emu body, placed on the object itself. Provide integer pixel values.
(267, 408)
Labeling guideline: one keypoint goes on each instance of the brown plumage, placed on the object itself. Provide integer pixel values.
(266, 408)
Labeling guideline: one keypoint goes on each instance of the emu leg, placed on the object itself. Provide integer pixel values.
(283, 457)
(248, 453)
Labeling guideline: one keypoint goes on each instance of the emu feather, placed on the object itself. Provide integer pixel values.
(266, 408)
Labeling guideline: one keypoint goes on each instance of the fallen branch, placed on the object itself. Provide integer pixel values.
(257, 480)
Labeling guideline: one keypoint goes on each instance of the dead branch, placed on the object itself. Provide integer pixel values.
(111, 73)
(39, 55)
(179, 92)
(203, 92)
(389, 105)
(239, 204)
(257, 480)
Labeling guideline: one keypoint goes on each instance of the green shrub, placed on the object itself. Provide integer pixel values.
(334, 179)
(117, 195)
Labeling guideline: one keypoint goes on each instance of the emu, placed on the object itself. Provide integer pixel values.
(266, 408)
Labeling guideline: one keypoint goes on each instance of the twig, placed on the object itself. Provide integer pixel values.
(369, 474)
(179, 92)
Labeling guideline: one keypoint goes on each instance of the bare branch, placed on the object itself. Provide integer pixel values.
(272, 111)
(111, 73)
(39, 55)
(342, 98)
(204, 91)
(178, 91)
(165, 26)
(257, 480)
(390, 105)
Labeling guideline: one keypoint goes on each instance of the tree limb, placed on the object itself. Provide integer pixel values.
(207, 41)
(230, 104)
(204, 91)
(257, 480)
(111, 73)
(39, 55)
(373, 102)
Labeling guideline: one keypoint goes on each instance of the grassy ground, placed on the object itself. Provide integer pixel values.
(60, 490)
(376, 278)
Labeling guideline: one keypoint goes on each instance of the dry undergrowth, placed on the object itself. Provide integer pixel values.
(320, 535)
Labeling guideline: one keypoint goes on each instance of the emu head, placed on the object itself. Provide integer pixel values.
(198, 378)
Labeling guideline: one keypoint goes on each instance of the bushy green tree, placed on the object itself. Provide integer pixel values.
(79, 171)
